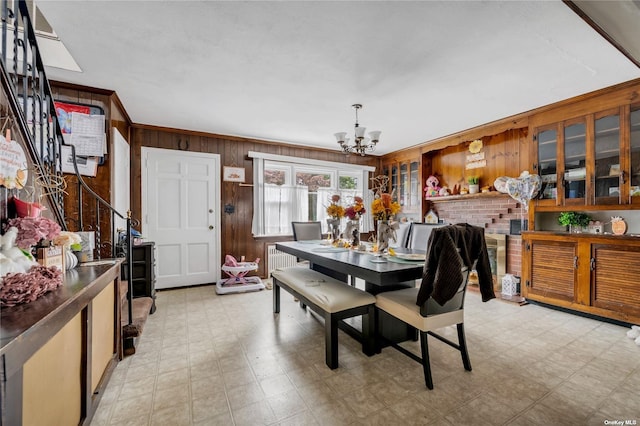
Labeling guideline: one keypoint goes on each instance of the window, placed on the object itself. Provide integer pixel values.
(290, 189)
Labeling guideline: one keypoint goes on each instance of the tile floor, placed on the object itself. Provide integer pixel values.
(227, 360)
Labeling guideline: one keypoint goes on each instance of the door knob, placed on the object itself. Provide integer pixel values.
(210, 226)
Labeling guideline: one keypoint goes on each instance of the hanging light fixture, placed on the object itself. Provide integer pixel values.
(361, 144)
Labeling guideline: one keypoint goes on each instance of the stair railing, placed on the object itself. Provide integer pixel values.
(32, 106)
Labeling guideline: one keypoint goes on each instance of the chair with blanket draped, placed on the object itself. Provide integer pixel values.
(438, 303)
(419, 235)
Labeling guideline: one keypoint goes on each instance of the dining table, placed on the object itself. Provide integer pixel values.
(380, 273)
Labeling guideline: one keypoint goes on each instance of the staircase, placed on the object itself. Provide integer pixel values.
(132, 330)
(27, 108)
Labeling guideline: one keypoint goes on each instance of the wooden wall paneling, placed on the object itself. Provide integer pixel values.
(235, 232)
(101, 183)
(524, 142)
(502, 152)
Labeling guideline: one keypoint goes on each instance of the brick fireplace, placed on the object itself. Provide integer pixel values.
(493, 212)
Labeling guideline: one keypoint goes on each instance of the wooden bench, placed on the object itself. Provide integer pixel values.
(333, 299)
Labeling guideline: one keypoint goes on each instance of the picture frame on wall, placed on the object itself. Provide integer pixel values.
(233, 174)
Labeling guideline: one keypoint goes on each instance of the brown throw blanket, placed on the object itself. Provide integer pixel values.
(449, 248)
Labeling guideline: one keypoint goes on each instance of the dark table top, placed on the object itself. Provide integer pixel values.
(356, 263)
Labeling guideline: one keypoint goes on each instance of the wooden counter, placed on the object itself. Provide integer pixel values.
(57, 352)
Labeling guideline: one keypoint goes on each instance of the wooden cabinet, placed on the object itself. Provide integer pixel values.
(553, 272)
(58, 352)
(405, 180)
(143, 270)
(593, 160)
(583, 272)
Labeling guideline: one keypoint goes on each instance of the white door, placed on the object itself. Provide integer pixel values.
(120, 180)
(181, 214)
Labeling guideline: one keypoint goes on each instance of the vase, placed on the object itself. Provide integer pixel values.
(352, 232)
(575, 229)
(334, 229)
(70, 260)
(386, 234)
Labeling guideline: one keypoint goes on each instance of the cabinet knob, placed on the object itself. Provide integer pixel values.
(210, 227)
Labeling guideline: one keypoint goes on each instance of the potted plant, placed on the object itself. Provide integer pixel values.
(574, 220)
(474, 184)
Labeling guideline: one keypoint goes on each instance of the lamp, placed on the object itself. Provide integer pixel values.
(361, 143)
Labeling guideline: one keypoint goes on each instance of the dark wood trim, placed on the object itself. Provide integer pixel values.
(80, 87)
(242, 139)
(86, 358)
(12, 398)
(586, 18)
(118, 102)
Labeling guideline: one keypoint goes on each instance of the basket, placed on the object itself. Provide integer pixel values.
(25, 209)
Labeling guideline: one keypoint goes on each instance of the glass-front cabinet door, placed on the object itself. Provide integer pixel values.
(634, 139)
(607, 172)
(403, 195)
(395, 178)
(575, 163)
(414, 181)
(547, 164)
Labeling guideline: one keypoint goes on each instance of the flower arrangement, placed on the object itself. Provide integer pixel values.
(335, 210)
(355, 210)
(33, 229)
(384, 208)
(69, 240)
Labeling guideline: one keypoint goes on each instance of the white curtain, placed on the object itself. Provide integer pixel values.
(283, 205)
(257, 224)
(323, 200)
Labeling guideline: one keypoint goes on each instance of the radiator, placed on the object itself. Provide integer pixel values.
(277, 259)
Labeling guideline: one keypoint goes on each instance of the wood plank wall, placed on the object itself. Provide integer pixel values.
(236, 236)
(506, 154)
(115, 116)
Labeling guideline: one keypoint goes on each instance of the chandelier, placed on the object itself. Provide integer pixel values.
(361, 144)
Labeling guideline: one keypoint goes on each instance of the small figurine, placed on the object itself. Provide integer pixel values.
(432, 187)
(444, 191)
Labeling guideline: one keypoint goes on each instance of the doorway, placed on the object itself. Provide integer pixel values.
(181, 214)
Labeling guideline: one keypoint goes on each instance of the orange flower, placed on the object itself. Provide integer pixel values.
(384, 208)
(334, 209)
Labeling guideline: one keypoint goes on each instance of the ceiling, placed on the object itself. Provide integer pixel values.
(289, 71)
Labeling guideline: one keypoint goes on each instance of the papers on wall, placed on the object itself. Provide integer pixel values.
(82, 128)
(87, 135)
(87, 166)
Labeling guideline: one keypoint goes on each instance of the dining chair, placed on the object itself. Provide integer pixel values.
(401, 304)
(402, 235)
(304, 231)
(419, 235)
